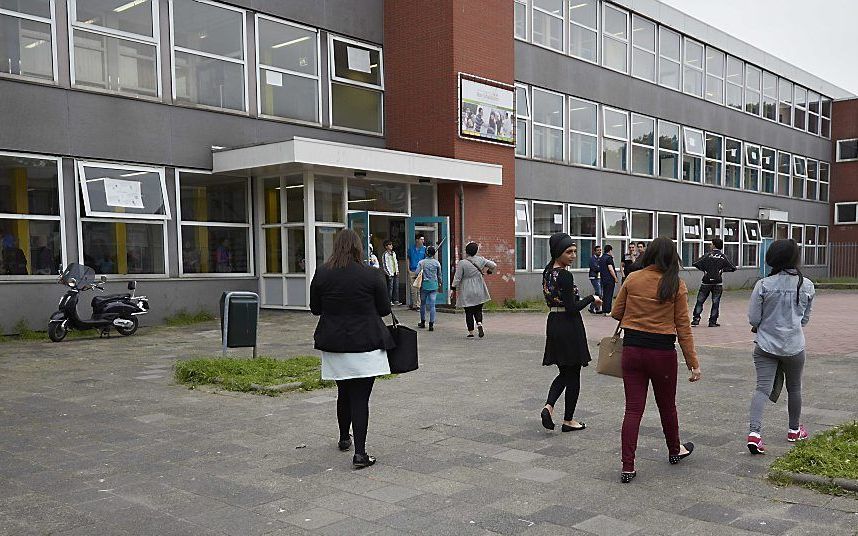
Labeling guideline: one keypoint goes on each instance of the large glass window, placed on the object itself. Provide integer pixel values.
(111, 190)
(784, 102)
(283, 224)
(692, 155)
(845, 213)
(733, 161)
(583, 132)
(26, 39)
(731, 240)
(643, 225)
(667, 225)
(288, 58)
(735, 82)
(784, 172)
(715, 75)
(714, 159)
(522, 234)
(711, 228)
(809, 245)
(615, 145)
(752, 167)
(548, 125)
(810, 190)
(825, 125)
(751, 243)
(208, 55)
(847, 150)
(799, 174)
(692, 239)
(30, 216)
(753, 79)
(668, 150)
(547, 20)
(357, 85)
(643, 145)
(643, 48)
(769, 169)
(669, 70)
(770, 96)
(115, 46)
(522, 121)
(547, 220)
(215, 224)
(328, 195)
(378, 196)
(615, 229)
(824, 178)
(822, 245)
(615, 38)
(583, 29)
(692, 73)
(582, 229)
(813, 112)
(520, 8)
(800, 111)
(123, 247)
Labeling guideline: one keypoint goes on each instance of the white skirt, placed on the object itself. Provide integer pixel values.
(348, 365)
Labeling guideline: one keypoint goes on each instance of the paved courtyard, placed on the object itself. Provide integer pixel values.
(98, 439)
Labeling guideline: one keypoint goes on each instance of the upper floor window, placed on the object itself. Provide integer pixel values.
(643, 145)
(784, 102)
(824, 170)
(715, 75)
(548, 125)
(813, 112)
(26, 39)
(114, 46)
(752, 167)
(584, 132)
(643, 48)
(770, 96)
(615, 145)
(357, 85)
(735, 79)
(547, 22)
(800, 112)
(583, 29)
(668, 63)
(733, 161)
(520, 8)
(668, 150)
(784, 170)
(615, 38)
(769, 168)
(692, 73)
(753, 79)
(825, 126)
(692, 155)
(845, 213)
(714, 159)
(209, 54)
(847, 150)
(522, 114)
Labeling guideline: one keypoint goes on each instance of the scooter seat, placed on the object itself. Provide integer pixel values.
(98, 301)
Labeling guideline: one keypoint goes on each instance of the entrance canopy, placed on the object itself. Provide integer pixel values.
(313, 152)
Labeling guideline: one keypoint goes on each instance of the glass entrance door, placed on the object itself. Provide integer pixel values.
(359, 223)
(436, 230)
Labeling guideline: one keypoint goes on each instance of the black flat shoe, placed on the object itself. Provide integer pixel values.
(676, 458)
(345, 444)
(362, 460)
(421, 325)
(625, 477)
(547, 422)
(481, 332)
(567, 428)
(469, 336)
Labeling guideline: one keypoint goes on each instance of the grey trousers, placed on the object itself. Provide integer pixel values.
(767, 366)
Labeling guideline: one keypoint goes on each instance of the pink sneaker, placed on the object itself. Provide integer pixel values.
(797, 435)
(756, 445)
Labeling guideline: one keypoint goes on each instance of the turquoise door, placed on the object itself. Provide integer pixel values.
(764, 247)
(436, 229)
(359, 223)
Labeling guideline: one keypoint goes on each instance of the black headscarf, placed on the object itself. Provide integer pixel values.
(557, 244)
(785, 256)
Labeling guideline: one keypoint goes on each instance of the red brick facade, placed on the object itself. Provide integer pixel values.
(844, 175)
(426, 45)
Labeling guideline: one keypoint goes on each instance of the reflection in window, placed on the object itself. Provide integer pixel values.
(378, 196)
(615, 144)
(111, 247)
(547, 21)
(615, 38)
(329, 199)
(356, 85)
(522, 122)
(715, 75)
(668, 150)
(784, 102)
(583, 126)
(692, 155)
(714, 159)
(692, 74)
(733, 159)
(770, 96)
(752, 89)
(26, 42)
(643, 48)
(288, 70)
(521, 19)
(735, 78)
(668, 65)
(643, 145)
(548, 125)
(583, 28)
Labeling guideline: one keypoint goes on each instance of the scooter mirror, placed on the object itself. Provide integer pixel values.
(132, 285)
(104, 279)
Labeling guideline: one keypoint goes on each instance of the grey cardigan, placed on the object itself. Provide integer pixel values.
(470, 286)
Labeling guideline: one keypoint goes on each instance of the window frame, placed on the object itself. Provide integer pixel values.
(825, 119)
(721, 78)
(772, 171)
(837, 220)
(745, 242)
(677, 62)
(653, 147)
(526, 21)
(534, 267)
(700, 242)
(750, 167)
(563, 20)
(826, 182)
(625, 140)
(596, 32)
(810, 243)
(821, 246)
(810, 113)
(758, 90)
(788, 101)
(81, 175)
(728, 83)
(737, 242)
(526, 235)
(534, 123)
(677, 225)
(796, 108)
(685, 65)
(719, 160)
(568, 156)
(811, 179)
(838, 157)
(331, 80)
(604, 234)
(652, 228)
(526, 118)
(734, 164)
(596, 239)
(779, 174)
(653, 53)
(796, 175)
(686, 154)
(677, 152)
(771, 98)
(53, 24)
(603, 35)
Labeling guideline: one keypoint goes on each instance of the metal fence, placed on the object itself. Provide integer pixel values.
(843, 260)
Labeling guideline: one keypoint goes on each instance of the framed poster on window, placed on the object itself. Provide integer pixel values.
(486, 110)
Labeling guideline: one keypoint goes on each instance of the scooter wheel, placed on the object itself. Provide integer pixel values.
(57, 331)
(128, 331)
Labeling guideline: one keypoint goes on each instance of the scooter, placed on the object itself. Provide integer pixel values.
(118, 311)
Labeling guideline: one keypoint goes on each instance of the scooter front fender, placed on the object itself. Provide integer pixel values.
(59, 316)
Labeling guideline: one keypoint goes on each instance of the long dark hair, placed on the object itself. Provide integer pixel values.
(662, 253)
(347, 249)
(785, 255)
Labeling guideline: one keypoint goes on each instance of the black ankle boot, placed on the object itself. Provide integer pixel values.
(421, 325)
(431, 326)
(362, 460)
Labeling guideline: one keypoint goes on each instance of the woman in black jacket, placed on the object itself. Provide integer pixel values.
(350, 298)
(566, 340)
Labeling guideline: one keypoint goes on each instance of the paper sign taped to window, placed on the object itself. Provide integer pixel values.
(273, 78)
(558, 219)
(120, 193)
(521, 214)
(359, 59)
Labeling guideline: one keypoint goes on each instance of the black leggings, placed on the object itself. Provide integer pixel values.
(474, 312)
(353, 409)
(569, 379)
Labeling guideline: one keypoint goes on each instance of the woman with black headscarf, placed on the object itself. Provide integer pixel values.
(565, 338)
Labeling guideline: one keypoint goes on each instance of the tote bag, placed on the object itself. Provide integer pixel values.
(611, 355)
(402, 358)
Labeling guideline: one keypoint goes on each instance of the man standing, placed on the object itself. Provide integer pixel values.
(390, 265)
(416, 253)
(713, 264)
(594, 277)
(608, 277)
(629, 260)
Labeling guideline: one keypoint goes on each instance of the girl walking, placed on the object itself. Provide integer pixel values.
(431, 270)
(565, 338)
(779, 309)
(470, 287)
(652, 308)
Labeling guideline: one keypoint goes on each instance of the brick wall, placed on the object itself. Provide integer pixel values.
(844, 176)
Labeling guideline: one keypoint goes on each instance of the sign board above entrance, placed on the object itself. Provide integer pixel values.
(486, 110)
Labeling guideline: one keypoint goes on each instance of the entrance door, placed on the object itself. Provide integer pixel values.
(436, 230)
(359, 223)
(764, 247)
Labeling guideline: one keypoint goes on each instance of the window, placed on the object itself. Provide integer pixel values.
(811, 186)
(357, 85)
(809, 245)
(288, 60)
(714, 159)
(522, 234)
(692, 239)
(643, 145)
(643, 48)
(751, 243)
(615, 144)
(799, 173)
(520, 8)
(582, 229)
(26, 39)
(522, 122)
(715, 75)
(733, 161)
(847, 150)
(845, 213)
(668, 226)
(643, 226)
(584, 132)
(548, 125)
(769, 169)
(692, 73)
(813, 109)
(711, 228)
(753, 78)
(822, 245)
(731, 240)
(120, 191)
(615, 38)
(31, 224)
(615, 229)
(825, 125)
(735, 77)
(378, 196)
(770, 96)
(328, 195)
(214, 216)
(784, 171)
(283, 225)
(781, 231)
(115, 46)
(800, 112)
(547, 220)
(823, 181)
(547, 21)
(668, 63)
(668, 150)
(785, 102)
(208, 55)
(752, 167)
(692, 155)
(583, 29)
(797, 234)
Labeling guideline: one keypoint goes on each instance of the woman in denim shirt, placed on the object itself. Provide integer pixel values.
(780, 307)
(431, 270)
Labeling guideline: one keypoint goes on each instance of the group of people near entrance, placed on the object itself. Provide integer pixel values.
(651, 307)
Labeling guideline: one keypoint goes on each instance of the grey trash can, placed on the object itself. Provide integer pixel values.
(239, 316)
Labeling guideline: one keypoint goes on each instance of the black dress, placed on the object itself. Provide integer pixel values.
(565, 338)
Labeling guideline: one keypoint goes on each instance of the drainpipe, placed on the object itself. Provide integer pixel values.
(462, 218)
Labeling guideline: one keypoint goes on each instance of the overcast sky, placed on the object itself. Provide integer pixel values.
(820, 36)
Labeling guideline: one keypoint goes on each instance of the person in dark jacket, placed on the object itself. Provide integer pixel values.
(593, 275)
(565, 338)
(608, 276)
(713, 264)
(350, 298)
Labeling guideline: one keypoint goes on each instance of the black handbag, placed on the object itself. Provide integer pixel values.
(402, 358)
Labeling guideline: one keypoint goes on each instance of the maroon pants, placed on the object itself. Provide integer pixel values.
(640, 367)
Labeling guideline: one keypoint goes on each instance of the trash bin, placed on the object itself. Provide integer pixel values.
(239, 315)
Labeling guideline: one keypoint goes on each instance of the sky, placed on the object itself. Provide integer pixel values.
(819, 36)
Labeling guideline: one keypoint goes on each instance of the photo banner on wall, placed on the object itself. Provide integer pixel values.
(486, 110)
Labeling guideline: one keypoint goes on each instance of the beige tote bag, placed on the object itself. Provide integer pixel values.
(611, 355)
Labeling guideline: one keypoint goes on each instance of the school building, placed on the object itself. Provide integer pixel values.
(199, 146)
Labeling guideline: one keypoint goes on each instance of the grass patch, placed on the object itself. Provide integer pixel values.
(832, 454)
(513, 305)
(184, 318)
(847, 280)
(253, 375)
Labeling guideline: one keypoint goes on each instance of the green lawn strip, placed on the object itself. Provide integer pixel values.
(516, 305)
(830, 454)
(184, 318)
